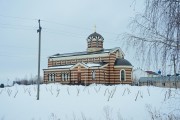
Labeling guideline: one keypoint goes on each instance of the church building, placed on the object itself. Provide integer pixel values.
(95, 65)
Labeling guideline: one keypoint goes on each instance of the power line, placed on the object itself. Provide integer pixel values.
(17, 56)
(57, 23)
(51, 31)
(15, 17)
(67, 25)
(19, 47)
(52, 22)
(15, 28)
(115, 39)
(64, 33)
(24, 56)
(17, 25)
(72, 26)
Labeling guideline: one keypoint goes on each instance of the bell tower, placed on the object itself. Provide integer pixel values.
(95, 42)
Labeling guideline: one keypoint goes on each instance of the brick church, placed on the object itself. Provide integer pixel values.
(95, 65)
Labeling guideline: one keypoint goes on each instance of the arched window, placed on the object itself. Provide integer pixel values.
(97, 43)
(104, 75)
(51, 76)
(62, 76)
(122, 75)
(67, 76)
(93, 74)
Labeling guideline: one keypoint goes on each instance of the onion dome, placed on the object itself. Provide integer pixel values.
(95, 36)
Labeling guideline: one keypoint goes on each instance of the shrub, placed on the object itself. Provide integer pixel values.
(2, 86)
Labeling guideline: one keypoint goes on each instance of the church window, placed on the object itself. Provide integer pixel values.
(66, 76)
(93, 74)
(62, 76)
(97, 43)
(51, 77)
(122, 75)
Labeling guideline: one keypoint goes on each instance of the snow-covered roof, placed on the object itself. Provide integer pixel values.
(122, 61)
(151, 73)
(93, 64)
(61, 67)
(58, 55)
(87, 65)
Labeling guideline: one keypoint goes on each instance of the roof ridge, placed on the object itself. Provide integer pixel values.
(81, 53)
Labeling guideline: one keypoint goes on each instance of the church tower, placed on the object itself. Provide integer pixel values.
(94, 42)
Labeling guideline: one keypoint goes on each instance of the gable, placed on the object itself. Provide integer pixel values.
(79, 66)
(119, 53)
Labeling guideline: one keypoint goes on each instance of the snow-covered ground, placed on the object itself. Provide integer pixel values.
(94, 102)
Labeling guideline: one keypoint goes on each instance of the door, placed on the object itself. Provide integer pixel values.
(79, 78)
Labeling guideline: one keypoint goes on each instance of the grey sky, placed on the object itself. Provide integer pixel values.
(65, 26)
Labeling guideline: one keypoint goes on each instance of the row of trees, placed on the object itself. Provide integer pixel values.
(25, 81)
(2, 86)
(156, 33)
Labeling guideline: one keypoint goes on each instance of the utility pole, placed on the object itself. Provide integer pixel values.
(39, 57)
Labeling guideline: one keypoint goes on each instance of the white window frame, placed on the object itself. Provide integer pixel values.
(62, 76)
(66, 77)
(51, 77)
(93, 75)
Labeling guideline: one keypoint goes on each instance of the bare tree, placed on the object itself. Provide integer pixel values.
(156, 33)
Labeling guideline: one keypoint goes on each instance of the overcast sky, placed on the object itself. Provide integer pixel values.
(65, 26)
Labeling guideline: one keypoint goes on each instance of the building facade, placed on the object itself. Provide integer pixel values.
(138, 73)
(161, 81)
(95, 65)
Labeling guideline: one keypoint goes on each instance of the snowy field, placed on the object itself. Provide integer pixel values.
(94, 102)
